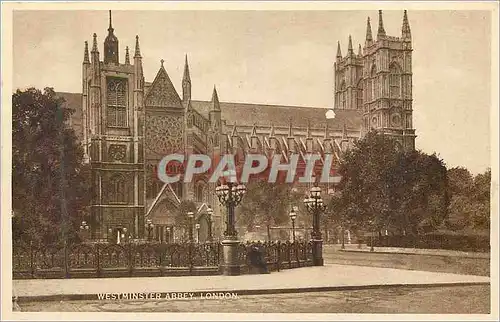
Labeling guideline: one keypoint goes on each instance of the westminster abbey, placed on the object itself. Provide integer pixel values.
(127, 124)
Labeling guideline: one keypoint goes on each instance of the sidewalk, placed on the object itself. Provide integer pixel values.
(308, 279)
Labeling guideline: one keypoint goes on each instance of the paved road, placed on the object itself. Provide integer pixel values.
(441, 300)
(329, 275)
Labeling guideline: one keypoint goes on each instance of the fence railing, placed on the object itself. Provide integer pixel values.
(149, 259)
(113, 260)
(278, 255)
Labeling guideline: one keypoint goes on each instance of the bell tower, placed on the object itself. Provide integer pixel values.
(378, 82)
(113, 108)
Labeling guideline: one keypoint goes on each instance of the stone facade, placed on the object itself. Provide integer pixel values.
(127, 125)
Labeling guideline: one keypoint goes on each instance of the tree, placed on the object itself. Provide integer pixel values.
(50, 183)
(383, 187)
(470, 200)
(264, 204)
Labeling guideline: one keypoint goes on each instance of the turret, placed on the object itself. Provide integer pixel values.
(111, 45)
(405, 29)
(127, 56)
(339, 52)
(86, 59)
(381, 30)
(369, 37)
(350, 51)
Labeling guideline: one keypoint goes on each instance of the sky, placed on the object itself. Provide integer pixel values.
(281, 57)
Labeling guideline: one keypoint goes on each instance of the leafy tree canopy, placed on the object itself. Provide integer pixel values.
(50, 188)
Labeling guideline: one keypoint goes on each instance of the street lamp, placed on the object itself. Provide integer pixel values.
(197, 226)
(314, 204)
(149, 227)
(190, 216)
(168, 235)
(371, 235)
(230, 195)
(210, 212)
(293, 216)
(124, 235)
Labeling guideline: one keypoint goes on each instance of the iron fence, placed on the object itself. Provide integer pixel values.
(149, 259)
(278, 255)
(114, 260)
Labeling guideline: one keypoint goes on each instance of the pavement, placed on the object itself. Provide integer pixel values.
(330, 277)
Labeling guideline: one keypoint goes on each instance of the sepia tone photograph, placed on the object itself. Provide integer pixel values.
(213, 158)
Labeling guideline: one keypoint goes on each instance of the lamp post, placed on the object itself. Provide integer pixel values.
(230, 195)
(209, 213)
(371, 236)
(190, 216)
(124, 235)
(149, 227)
(84, 228)
(293, 216)
(314, 204)
(197, 233)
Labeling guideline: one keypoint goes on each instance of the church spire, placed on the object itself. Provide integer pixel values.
(339, 52)
(215, 100)
(186, 76)
(110, 28)
(86, 54)
(111, 45)
(369, 37)
(360, 53)
(381, 30)
(405, 30)
(127, 56)
(186, 82)
(350, 51)
(137, 49)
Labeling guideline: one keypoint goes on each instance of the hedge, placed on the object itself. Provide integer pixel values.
(436, 240)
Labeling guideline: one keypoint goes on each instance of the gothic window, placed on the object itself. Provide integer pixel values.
(342, 95)
(395, 81)
(199, 193)
(359, 95)
(117, 189)
(373, 83)
(177, 187)
(117, 102)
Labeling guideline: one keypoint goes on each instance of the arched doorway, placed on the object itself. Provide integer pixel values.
(164, 229)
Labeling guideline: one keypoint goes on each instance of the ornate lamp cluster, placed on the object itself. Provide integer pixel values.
(293, 216)
(315, 205)
(230, 195)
